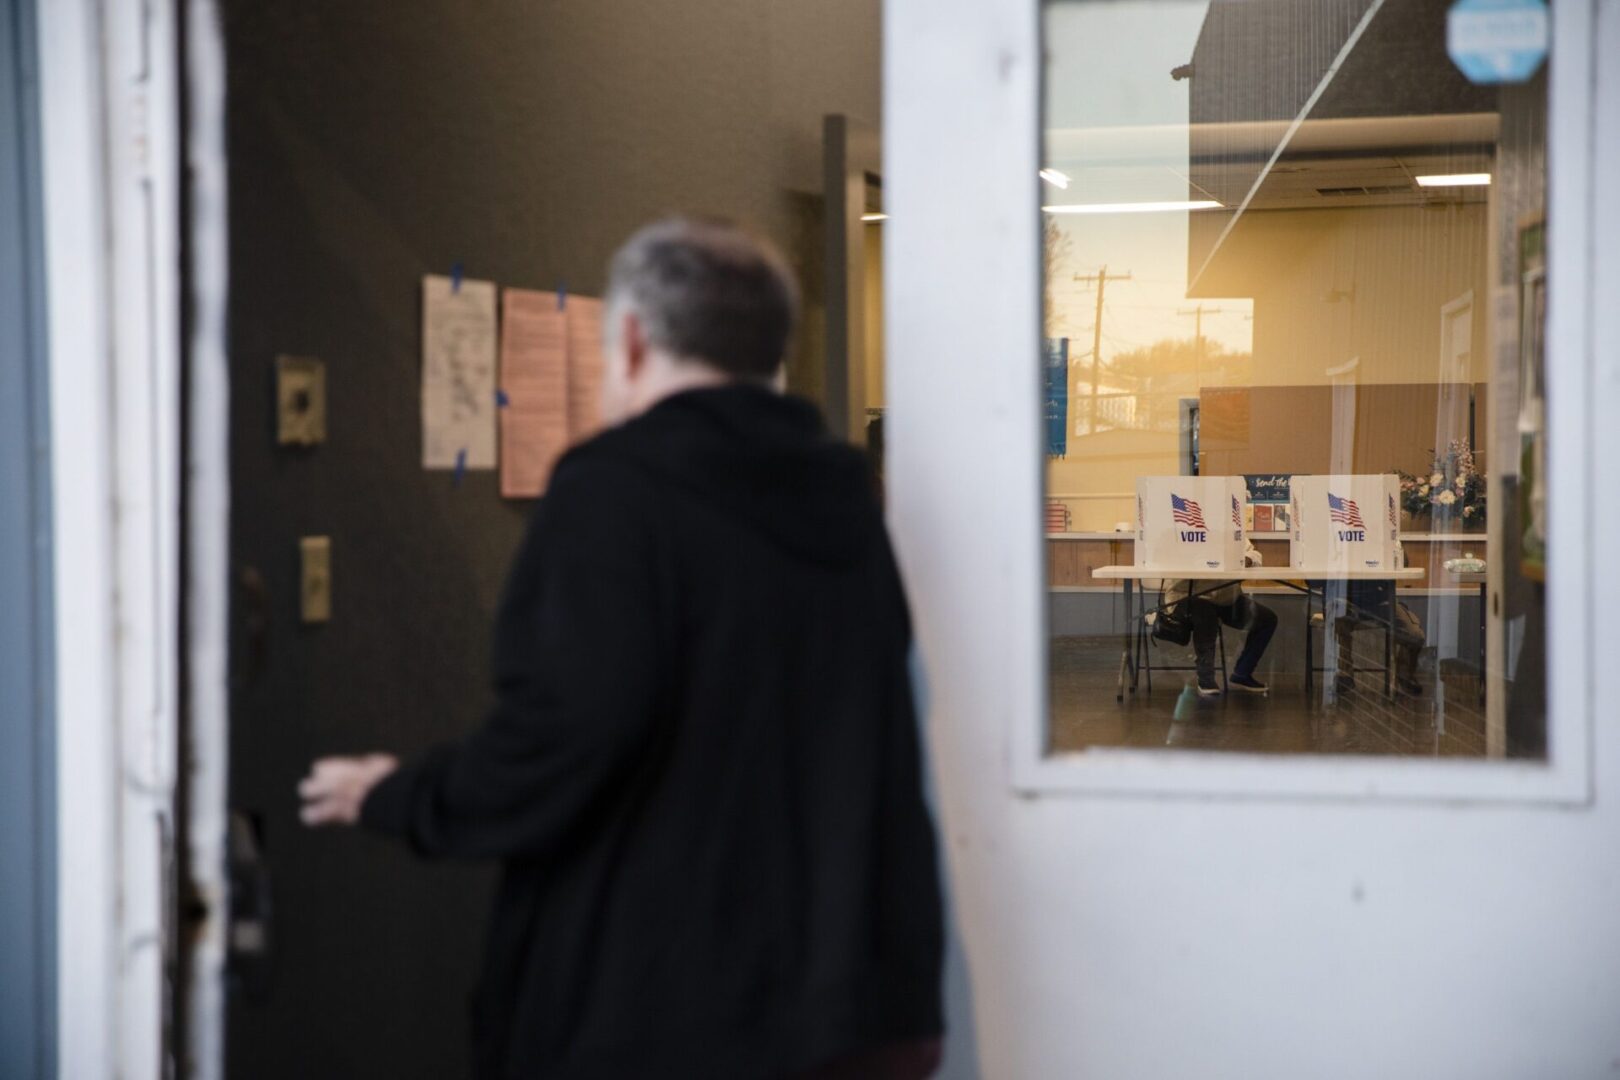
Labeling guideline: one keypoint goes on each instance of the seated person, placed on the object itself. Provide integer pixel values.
(1367, 601)
(1223, 603)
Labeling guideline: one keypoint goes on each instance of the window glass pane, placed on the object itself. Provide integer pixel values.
(1294, 284)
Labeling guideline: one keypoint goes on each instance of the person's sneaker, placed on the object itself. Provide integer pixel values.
(1248, 684)
(1209, 689)
(1344, 684)
(1410, 687)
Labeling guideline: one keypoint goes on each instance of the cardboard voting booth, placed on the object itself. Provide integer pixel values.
(1346, 522)
(1189, 522)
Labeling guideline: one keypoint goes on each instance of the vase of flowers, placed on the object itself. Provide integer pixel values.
(1451, 495)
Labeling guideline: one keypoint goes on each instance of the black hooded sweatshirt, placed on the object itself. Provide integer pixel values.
(702, 772)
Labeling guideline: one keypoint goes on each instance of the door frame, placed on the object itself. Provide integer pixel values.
(850, 155)
(205, 643)
(110, 164)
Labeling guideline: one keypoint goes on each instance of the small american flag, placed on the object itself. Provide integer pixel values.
(1186, 512)
(1345, 512)
(1237, 514)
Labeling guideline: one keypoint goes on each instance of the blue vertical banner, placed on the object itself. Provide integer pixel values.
(1055, 364)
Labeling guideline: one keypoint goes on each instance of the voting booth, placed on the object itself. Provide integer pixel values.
(1190, 522)
(1346, 522)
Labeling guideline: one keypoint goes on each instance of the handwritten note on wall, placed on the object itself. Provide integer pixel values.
(458, 374)
(534, 385)
(549, 380)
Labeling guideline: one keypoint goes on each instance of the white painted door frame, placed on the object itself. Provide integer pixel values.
(110, 162)
(207, 574)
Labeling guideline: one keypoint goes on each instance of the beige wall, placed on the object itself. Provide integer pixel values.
(1346, 296)
(1335, 286)
(874, 316)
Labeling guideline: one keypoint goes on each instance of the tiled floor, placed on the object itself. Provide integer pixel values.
(1446, 720)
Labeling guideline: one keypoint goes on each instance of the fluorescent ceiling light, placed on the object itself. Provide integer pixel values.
(1471, 179)
(1055, 178)
(874, 217)
(1132, 207)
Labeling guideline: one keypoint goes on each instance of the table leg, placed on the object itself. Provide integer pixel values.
(1389, 643)
(1310, 649)
(1482, 591)
(1142, 643)
(1125, 655)
(1132, 594)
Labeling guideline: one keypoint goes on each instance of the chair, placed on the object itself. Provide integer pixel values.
(1146, 642)
(1316, 622)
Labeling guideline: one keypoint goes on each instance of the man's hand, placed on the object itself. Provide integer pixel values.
(336, 786)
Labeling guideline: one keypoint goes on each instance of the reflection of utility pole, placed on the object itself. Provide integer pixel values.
(1198, 314)
(1101, 278)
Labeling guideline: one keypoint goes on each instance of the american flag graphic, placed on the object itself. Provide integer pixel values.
(1186, 512)
(1345, 512)
(1237, 514)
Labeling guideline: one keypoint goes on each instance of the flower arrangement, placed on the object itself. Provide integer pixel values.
(1454, 487)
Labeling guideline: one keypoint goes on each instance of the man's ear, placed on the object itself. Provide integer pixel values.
(634, 336)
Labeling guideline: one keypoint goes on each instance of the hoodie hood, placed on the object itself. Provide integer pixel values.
(763, 459)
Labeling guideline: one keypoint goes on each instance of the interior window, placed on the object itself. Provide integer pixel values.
(1293, 375)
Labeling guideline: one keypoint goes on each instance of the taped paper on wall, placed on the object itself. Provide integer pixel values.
(584, 367)
(458, 373)
(534, 389)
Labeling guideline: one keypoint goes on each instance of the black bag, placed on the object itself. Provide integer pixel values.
(1172, 626)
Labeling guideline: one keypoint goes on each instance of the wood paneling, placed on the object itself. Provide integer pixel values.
(1070, 562)
(1289, 429)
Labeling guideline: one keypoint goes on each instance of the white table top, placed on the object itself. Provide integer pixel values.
(1464, 539)
(1257, 573)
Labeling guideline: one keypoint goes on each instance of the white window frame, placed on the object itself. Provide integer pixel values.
(966, 483)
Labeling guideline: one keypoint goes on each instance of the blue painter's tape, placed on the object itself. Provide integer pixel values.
(501, 400)
(461, 466)
(455, 277)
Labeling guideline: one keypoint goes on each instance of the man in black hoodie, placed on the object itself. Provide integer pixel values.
(702, 774)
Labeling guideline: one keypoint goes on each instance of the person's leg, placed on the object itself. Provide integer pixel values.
(1206, 626)
(1409, 639)
(1344, 629)
(1261, 623)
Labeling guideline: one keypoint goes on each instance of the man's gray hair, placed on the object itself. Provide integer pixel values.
(707, 291)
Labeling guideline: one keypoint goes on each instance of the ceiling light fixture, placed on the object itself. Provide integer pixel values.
(1055, 178)
(1472, 179)
(874, 217)
(1132, 207)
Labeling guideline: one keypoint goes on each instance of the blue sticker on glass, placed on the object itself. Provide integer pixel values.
(1497, 41)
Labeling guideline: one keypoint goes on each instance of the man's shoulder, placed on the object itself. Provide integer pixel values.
(599, 460)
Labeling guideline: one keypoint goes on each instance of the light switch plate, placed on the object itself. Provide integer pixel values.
(315, 578)
(300, 401)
